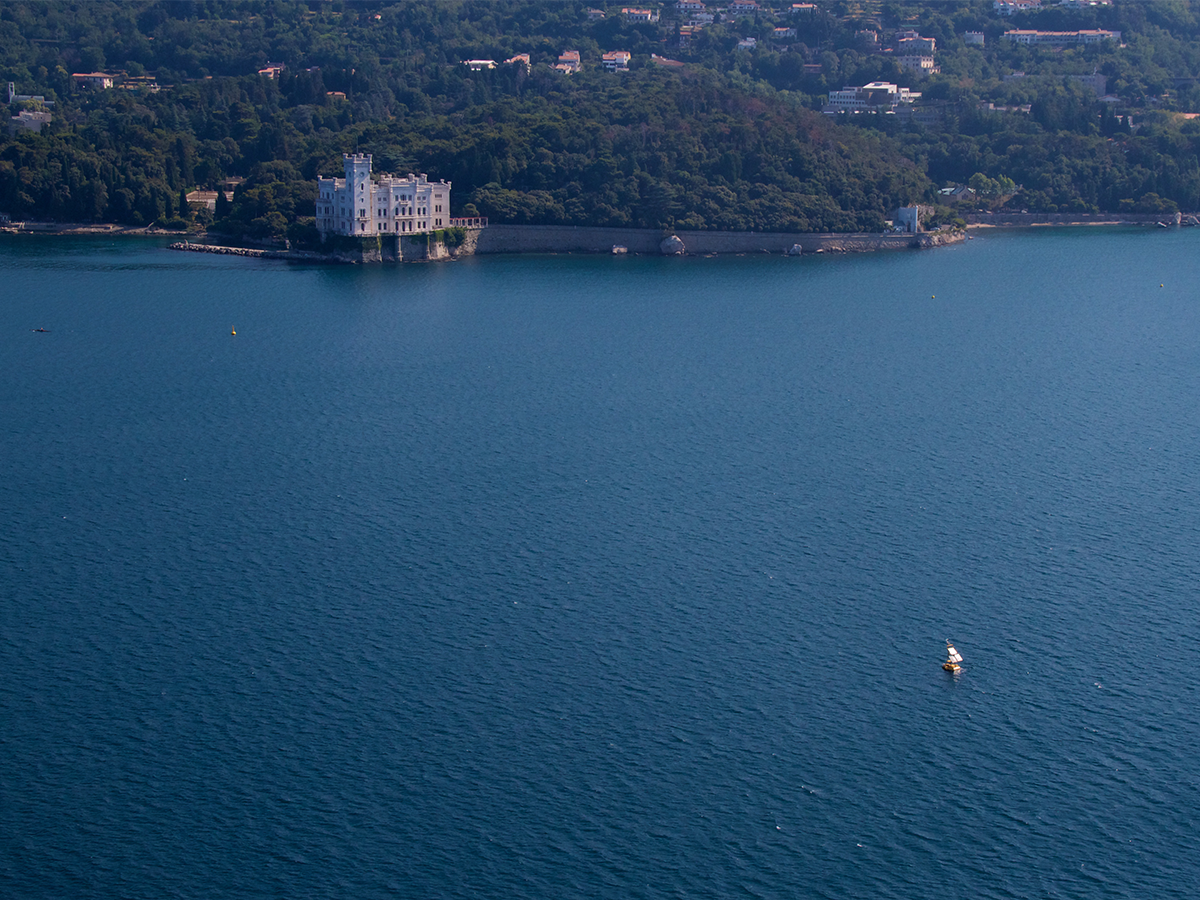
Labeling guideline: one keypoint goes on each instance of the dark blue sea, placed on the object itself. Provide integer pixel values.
(602, 577)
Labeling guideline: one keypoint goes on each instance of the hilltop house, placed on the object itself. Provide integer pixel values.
(203, 199)
(97, 80)
(29, 120)
(915, 45)
(617, 60)
(1012, 7)
(1061, 38)
(915, 63)
(878, 96)
(360, 206)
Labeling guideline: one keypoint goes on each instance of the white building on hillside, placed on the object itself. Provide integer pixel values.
(97, 80)
(29, 120)
(1061, 38)
(915, 45)
(617, 61)
(569, 62)
(908, 219)
(14, 97)
(357, 205)
(1012, 7)
(918, 64)
(876, 96)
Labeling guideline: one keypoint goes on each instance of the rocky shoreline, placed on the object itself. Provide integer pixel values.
(585, 239)
(551, 239)
(548, 239)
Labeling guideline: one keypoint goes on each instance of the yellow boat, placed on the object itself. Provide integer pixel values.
(953, 658)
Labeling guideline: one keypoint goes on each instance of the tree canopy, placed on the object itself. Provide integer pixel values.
(731, 139)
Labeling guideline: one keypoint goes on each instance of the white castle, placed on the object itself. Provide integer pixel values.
(356, 205)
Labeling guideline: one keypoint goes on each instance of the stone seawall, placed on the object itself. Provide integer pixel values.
(566, 239)
(391, 249)
(569, 239)
(1029, 220)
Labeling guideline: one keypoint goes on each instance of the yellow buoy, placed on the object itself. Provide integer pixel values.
(233, 331)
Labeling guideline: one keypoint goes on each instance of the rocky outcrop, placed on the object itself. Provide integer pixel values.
(672, 246)
(470, 242)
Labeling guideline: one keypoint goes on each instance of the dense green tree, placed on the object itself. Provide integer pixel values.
(731, 141)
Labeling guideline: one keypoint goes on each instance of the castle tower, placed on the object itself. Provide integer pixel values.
(360, 192)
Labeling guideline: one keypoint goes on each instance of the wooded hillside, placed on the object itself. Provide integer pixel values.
(733, 139)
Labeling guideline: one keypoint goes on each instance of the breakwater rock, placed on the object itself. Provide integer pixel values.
(672, 246)
(249, 251)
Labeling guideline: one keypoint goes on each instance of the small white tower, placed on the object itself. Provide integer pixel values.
(909, 218)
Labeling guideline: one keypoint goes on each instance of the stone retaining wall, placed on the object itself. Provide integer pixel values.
(568, 239)
(1025, 220)
(403, 249)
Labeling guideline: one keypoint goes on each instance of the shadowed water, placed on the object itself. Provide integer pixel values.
(602, 577)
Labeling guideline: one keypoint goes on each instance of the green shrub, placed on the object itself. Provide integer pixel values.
(335, 243)
(304, 235)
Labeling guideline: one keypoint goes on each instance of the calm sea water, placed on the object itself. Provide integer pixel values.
(602, 577)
